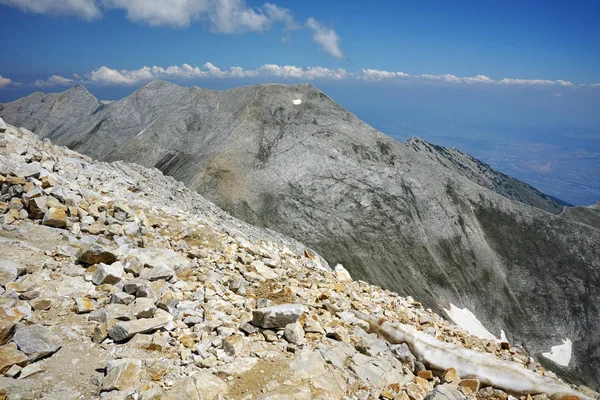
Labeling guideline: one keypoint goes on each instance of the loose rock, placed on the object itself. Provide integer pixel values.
(277, 316)
(9, 356)
(36, 341)
(96, 254)
(123, 375)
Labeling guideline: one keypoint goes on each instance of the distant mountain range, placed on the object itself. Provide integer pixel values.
(412, 217)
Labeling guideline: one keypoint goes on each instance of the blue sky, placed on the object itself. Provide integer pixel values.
(540, 40)
(476, 75)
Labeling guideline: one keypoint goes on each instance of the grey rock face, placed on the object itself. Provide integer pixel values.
(412, 217)
(36, 341)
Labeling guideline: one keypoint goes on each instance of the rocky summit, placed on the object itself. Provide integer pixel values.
(119, 283)
(412, 217)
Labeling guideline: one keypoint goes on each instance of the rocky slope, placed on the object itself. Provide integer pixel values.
(411, 217)
(118, 283)
(586, 215)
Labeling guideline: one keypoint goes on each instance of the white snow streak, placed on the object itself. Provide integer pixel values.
(469, 322)
(144, 130)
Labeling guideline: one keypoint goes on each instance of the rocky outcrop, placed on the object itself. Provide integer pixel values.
(234, 317)
(411, 217)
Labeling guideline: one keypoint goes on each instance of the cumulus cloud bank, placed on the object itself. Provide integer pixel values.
(109, 76)
(221, 16)
(55, 80)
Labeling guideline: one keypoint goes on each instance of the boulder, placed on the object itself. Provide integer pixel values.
(445, 392)
(55, 217)
(108, 274)
(3, 126)
(7, 326)
(202, 386)
(126, 329)
(469, 385)
(31, 369)
(122, 375)
(451, 376)
(121, 298)
(294, 333)
(37, 207)
(156, 273)
(233, 345)
(143, 307)
(96, 254)
(31, 170)
(36, 341)
(9, 271)
(277, 316)
(416, 391)
(84, 305)
(342, 273)
(9, 356)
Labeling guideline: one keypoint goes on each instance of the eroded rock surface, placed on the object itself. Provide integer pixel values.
(182, 307)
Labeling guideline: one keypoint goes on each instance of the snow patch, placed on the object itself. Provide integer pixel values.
(469, 322)
(561, 353)
(486, 367)
(297, 102)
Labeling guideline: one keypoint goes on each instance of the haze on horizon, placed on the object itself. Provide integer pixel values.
(516, 85)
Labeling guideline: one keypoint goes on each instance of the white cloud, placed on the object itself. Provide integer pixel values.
(444, 77)
(221, 16)
(478, 79)
(234, 16)
(450, 78)
(108, 76)
(86, 9)
(176, 13)
(326, 38)
(285, 16)
(4, 82)
(378, 75)
(564, 83)
(290, 71)
(456, 79)
(510, 81)
(55, 80)
(105, 75)
(239, 72)
(225, 16)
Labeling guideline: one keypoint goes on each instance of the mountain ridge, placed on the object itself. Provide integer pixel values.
(117, 281)
(401, 215)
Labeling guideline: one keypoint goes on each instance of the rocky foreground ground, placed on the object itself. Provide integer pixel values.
(118, 283)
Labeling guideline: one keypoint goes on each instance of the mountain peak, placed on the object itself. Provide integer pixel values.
(159, 83)
(412, 217)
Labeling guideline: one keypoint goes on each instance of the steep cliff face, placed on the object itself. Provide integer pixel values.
(412, 217)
